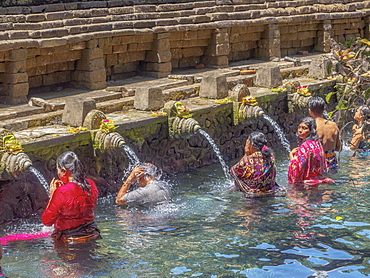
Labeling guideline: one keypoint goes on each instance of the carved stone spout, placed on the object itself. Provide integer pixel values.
(184, 128)
(12, 160)
(249, 108)
(105, 141)
(181, 123)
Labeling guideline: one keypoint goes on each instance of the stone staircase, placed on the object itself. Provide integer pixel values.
(119, 95)
(50, 25)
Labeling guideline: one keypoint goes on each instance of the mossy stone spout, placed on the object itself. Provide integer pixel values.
(249, 108)
(12, 160)
(109, 140)
(184, 128)
(181, 123)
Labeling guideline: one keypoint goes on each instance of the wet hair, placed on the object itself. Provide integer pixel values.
(311, 123)
(70, 161)
(258, 141)
(151, 170)
(316, 105)
(365, 111)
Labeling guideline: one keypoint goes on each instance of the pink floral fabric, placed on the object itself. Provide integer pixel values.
(309, 164)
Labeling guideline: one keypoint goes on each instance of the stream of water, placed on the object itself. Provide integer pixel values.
(217, 151)
(131, 155)
(41, 178)
(284, 141)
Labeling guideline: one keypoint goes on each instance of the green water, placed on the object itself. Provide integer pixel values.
(206, 232)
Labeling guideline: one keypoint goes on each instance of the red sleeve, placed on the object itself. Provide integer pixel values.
(51, 213)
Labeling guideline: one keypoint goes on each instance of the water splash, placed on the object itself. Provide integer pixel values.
(131, 155)
(280, 133)
(217, 151)
(41, 179)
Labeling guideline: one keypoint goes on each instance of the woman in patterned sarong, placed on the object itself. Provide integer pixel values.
(307, 162)
(255, 173)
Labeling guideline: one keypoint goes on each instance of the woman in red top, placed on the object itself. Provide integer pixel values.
(72, 202)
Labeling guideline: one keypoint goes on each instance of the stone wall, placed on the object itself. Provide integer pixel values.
(83, 44)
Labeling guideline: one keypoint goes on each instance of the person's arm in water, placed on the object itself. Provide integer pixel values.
(134, 175)
(357, 138)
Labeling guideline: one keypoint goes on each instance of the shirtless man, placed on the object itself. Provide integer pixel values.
(327, 130)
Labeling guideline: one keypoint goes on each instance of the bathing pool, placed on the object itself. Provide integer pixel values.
(206, 232)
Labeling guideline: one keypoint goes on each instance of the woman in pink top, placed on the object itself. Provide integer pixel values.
(307, 162)
(72, 202)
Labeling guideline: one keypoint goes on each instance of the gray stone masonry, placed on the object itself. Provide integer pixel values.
(148, 99)
(319, 68)
(269, 76)
(76, 109)
(213, 86)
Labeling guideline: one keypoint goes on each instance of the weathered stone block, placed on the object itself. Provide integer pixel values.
(92, 53)
(90, 65)
(158, 57)
(217, 60)
(76, 109)
(218, 49)
(17, 90)
(35, 81)
(56, 78)
(162, 67)
(89, 76)
(319, 68)
(17, 55)
(111, 60)
(269, 76)
(148, 98)
(213, 86)
(16, 66)
(161, 44)
(15, 78)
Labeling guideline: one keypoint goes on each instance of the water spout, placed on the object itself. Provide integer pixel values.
(12, 158)
(181, 123)
(184, 128)
(249, 108)
(106, 141)
(217, 151)
(279, 132)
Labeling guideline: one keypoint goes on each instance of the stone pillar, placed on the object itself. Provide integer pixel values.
(269, 76)
(15, 79)
(269, 44)
(158, 60)
(213, 86)
(367, 27)
(320, 68)
(90, 70)
(76, 109)
(323, 37)
(218, 50)
(148, 98)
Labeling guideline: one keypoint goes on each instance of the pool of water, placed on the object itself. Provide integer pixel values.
(207, 232)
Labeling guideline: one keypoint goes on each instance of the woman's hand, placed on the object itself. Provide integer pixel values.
(54, 184)
(293, 153)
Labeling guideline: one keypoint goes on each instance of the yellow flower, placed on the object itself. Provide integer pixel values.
(250, 100)
(107, 126)
(223, 101)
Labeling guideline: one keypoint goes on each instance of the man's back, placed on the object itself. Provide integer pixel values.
(329, 134)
